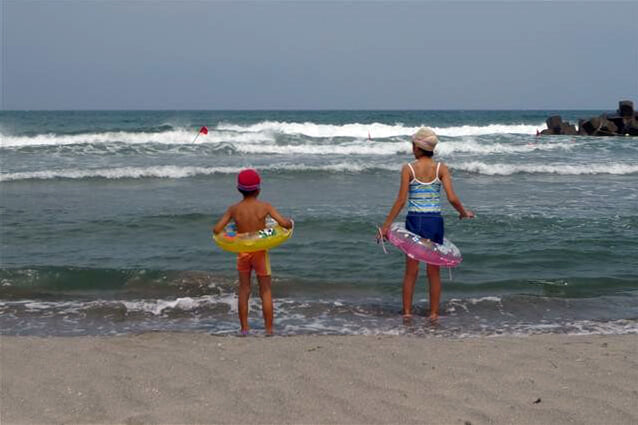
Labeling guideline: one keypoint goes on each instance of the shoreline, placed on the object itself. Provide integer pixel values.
(162, 377)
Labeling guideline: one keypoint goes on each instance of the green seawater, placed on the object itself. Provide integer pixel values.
(106, 220)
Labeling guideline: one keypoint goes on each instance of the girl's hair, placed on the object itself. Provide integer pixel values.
(423, 152)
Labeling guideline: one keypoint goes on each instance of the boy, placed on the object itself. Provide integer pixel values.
(250, 216)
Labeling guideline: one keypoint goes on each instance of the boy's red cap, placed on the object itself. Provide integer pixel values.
(248, 180)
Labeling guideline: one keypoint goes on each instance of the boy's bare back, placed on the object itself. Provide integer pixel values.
(250, 214)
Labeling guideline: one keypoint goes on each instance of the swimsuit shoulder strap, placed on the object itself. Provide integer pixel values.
(412, 169)
(438, 165)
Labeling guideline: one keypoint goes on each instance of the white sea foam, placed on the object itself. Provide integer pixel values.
(471, 130)
(157, 307)
(499, 169)
(364, 147)
(356, 148)
(376, 130)
(177, 172)
(453, 303)
(173, 137)
(248, 144)
(154, 307)
(265, 131)
(578, 327)
(160, 306)
(474, 147)
(293, 321)
(168, 171)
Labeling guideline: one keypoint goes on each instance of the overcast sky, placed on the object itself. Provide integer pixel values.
(318, 55)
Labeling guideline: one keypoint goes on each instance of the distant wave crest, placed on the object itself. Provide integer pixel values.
(265, 131)
(173, 137)
(177, 172)
(375, 130)
(498, 169)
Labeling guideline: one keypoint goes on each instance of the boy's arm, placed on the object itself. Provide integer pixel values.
(228, 215)
(283, 221)
(399, 203)
(446, 179)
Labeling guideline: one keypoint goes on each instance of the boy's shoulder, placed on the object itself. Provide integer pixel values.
(265, 206)
(254, 203)
(259, 202)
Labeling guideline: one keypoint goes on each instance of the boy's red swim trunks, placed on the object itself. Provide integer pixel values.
(258, 261)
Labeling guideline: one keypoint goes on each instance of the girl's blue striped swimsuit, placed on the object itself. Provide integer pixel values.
(424, 208)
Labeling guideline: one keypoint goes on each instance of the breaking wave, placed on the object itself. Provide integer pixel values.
(265, 131)
(560, 169)
(177, 137)
(375, 130)
(177, 172)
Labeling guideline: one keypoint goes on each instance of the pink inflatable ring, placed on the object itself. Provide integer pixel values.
(422, 249)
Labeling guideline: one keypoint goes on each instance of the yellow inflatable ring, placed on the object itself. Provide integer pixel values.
(267, 238)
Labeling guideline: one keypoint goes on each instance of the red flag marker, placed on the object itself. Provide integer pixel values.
(203, 130)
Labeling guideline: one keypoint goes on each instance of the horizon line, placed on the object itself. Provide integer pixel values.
(304, 110)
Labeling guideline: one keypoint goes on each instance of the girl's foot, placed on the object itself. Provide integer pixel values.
(244, 332)
(270, 333)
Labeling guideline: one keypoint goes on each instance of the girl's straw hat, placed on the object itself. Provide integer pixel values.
(425, 138)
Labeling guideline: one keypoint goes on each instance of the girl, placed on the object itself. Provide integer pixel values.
(421, 187)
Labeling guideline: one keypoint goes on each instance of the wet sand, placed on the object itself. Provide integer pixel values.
(197, 378)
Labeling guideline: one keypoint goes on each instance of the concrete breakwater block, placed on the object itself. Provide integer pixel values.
(556, 125)
(622, 123)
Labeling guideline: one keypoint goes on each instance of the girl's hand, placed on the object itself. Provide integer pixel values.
(383, 232)
(468, 214)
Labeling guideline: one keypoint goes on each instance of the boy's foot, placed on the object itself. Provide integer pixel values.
(270, 333)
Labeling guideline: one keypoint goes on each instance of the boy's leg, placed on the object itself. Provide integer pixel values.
(262, 270)
(265, 292)
(409, 279)
(434, 278)
(242, 303)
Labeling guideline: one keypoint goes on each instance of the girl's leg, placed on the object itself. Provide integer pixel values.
(434, 278)
(242, 303)
(409, 279)
(265, 292)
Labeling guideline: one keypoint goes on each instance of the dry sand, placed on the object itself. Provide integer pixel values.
(196, 378)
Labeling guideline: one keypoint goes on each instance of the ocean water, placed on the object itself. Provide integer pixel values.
(106, 222)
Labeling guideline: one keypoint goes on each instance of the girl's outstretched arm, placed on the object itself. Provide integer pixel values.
(399, 203)
(446, 179)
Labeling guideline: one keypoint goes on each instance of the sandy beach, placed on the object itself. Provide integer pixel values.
(196, 378)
